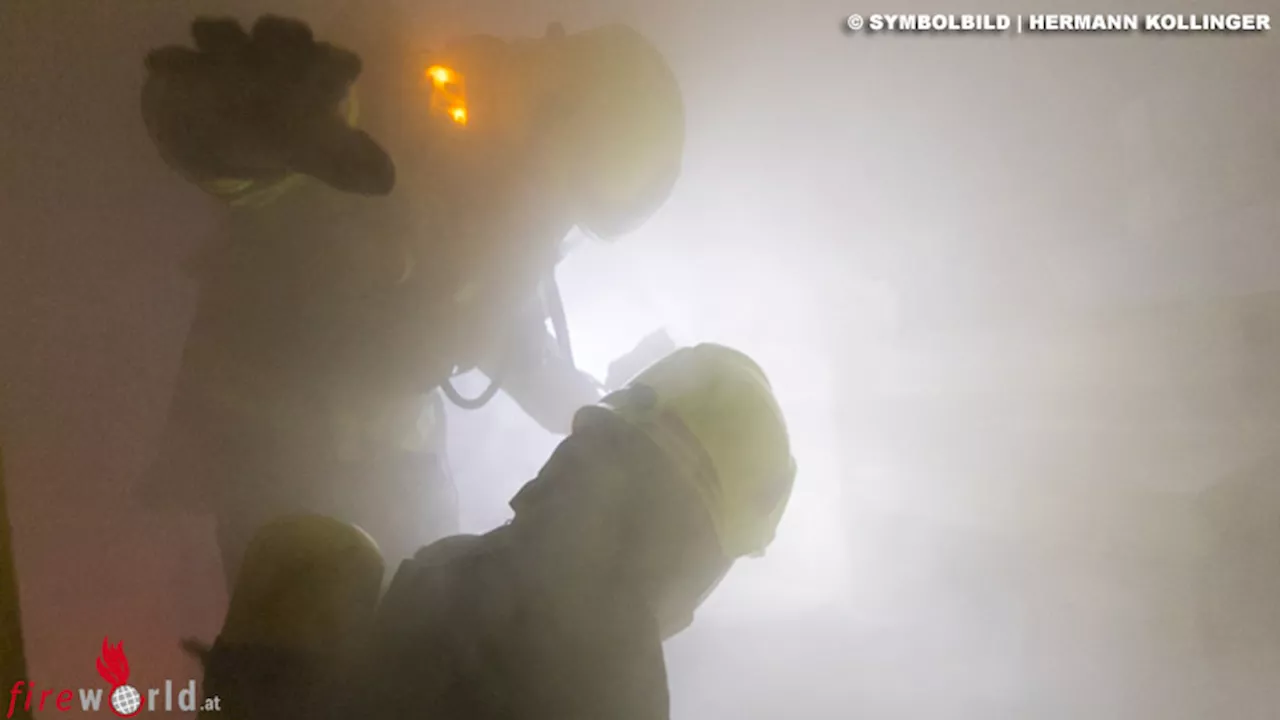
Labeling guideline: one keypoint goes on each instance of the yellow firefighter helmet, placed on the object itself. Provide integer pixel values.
(306, 583)
(711, 410)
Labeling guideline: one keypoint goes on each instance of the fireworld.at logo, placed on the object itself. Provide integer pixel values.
(124, 699)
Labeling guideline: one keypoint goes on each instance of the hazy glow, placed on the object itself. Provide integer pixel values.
(448, 93)
(998, 283)
(439, 74)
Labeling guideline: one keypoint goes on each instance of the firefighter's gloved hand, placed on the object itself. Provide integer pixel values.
(259, 104)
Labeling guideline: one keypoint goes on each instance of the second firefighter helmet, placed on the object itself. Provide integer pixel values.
(307, 583)
(711, 410)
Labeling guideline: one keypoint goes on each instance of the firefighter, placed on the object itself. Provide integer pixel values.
(386, 235)
(559, 614)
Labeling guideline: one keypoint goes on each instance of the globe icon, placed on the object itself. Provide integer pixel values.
(126, 700)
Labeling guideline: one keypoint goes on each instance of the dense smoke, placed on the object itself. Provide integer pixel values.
(1018, 296)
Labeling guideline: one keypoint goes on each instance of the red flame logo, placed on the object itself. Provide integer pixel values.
(113, 666)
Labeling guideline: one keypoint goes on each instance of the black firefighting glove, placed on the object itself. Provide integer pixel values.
(260, 105)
